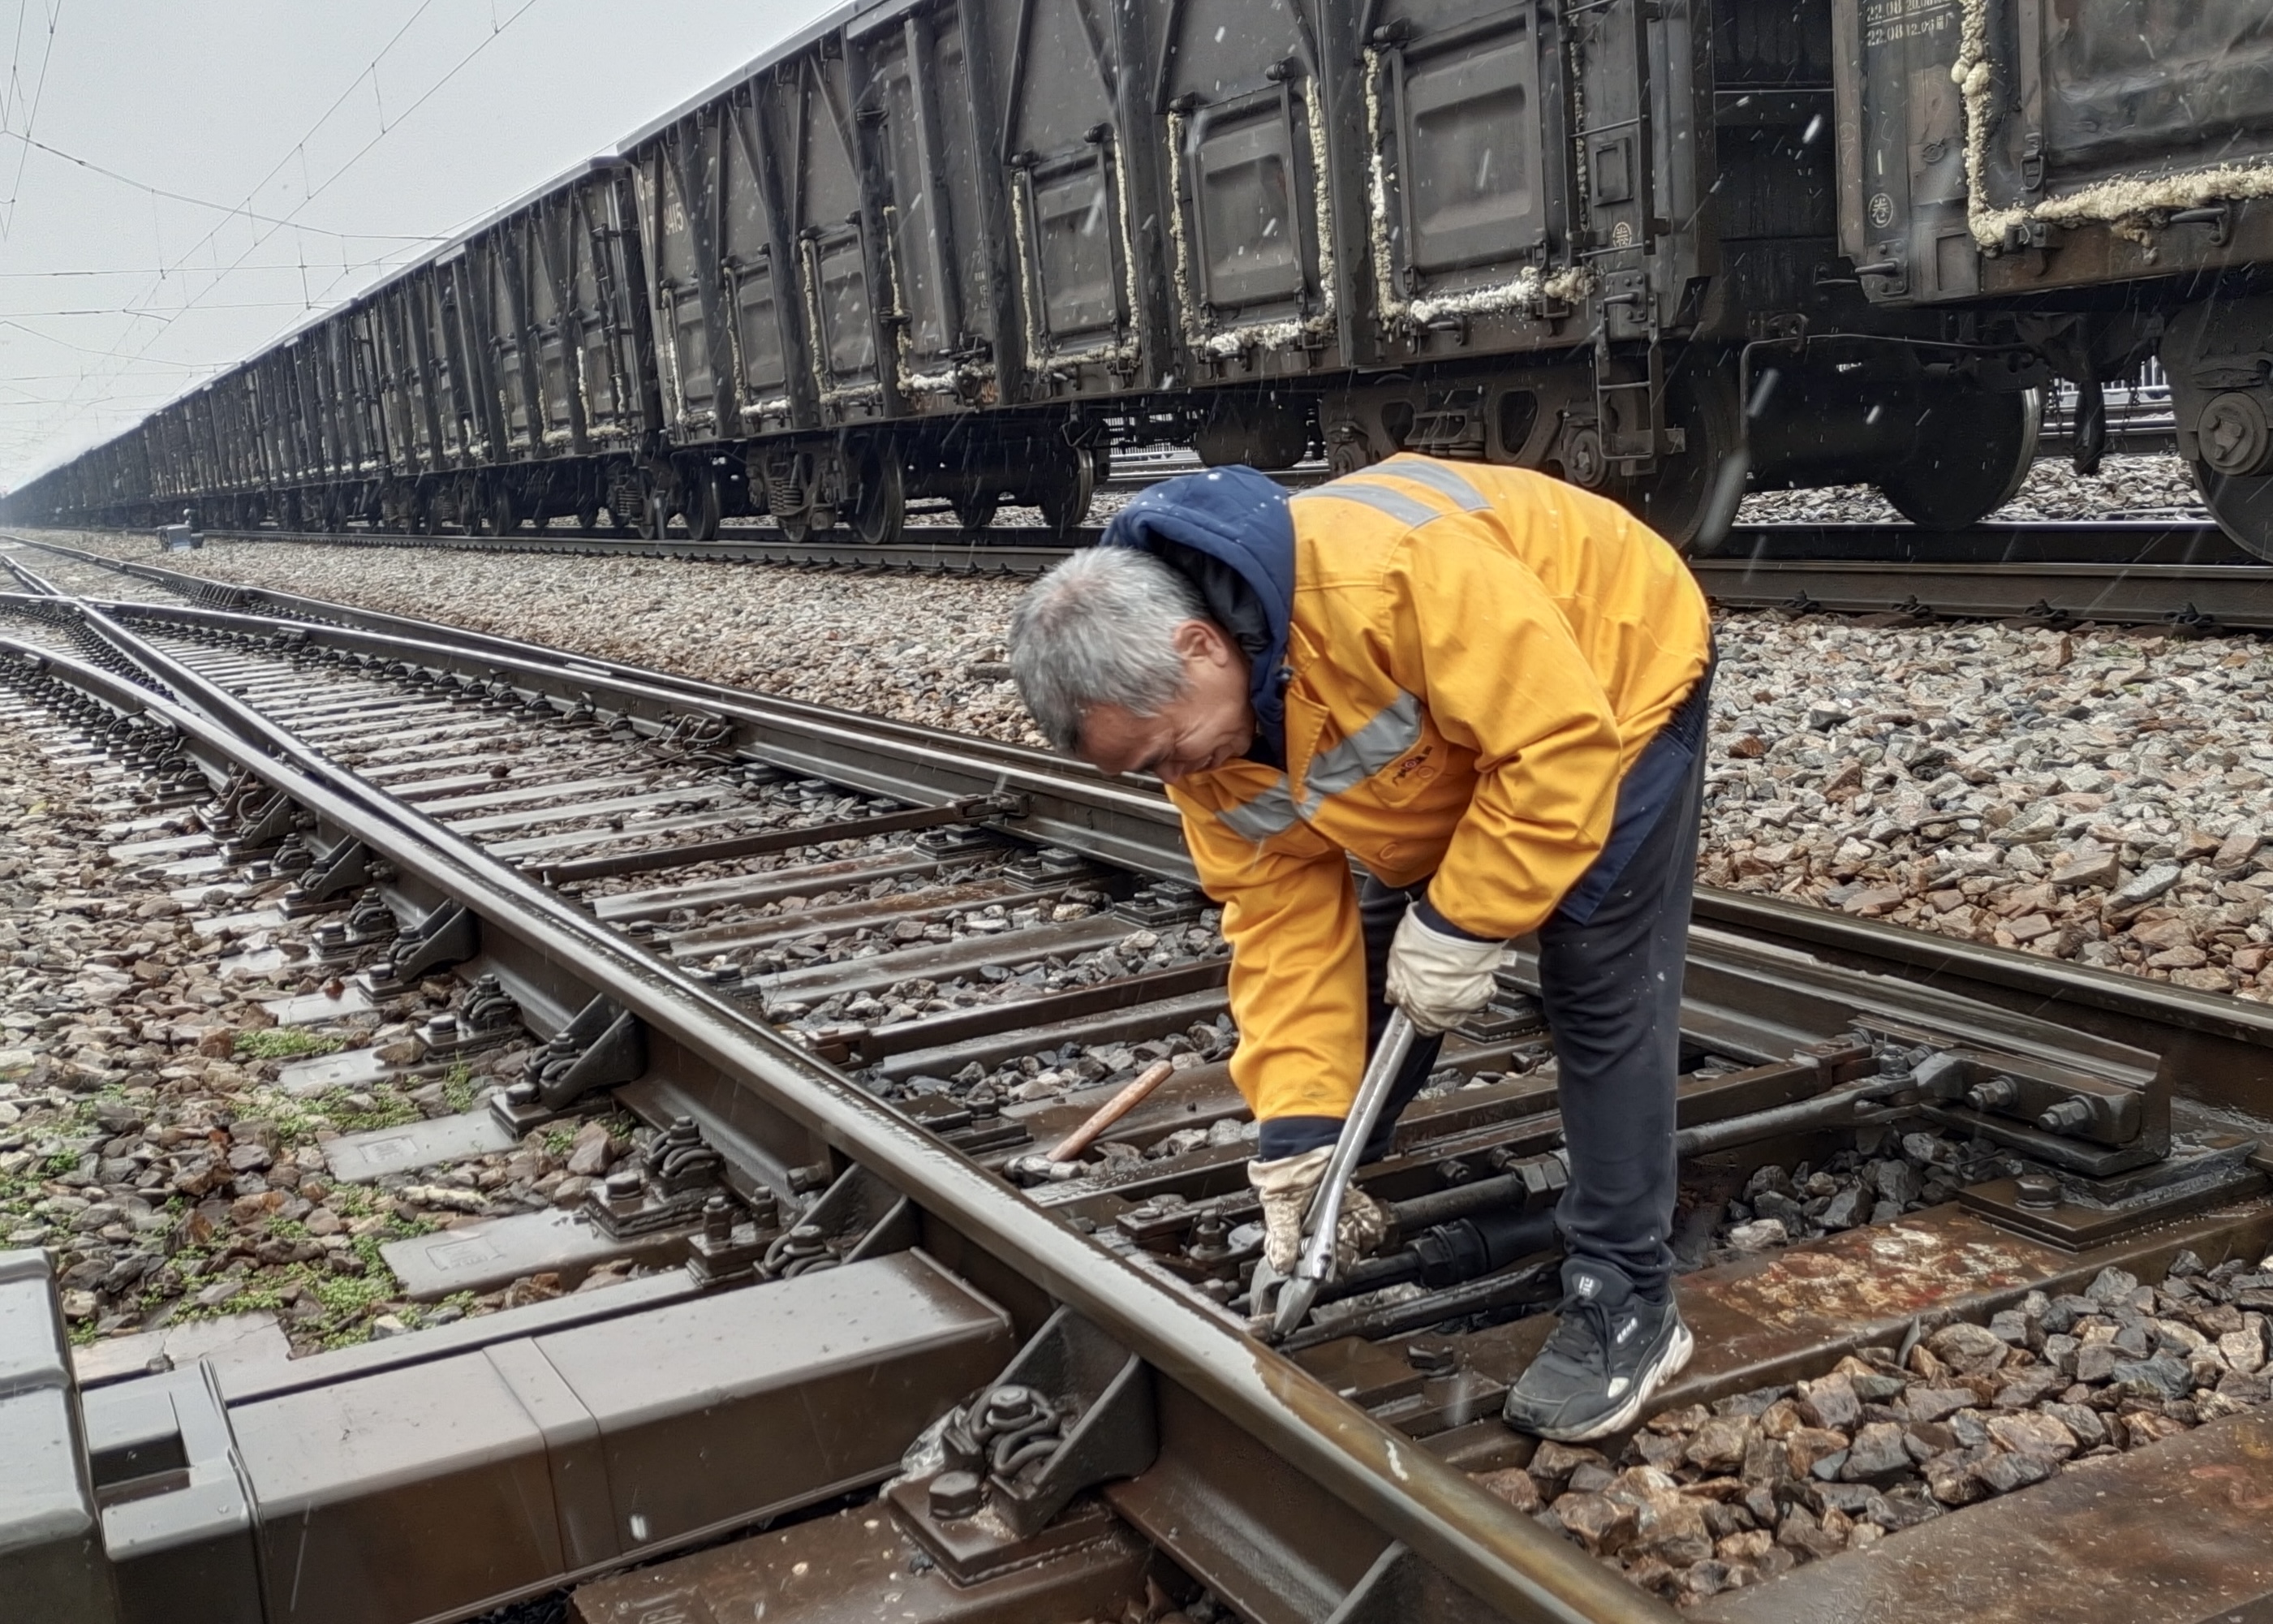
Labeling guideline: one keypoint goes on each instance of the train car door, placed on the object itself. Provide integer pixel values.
(760, 334)
(679, 200)
(1458, 238)
(923, 152)
(830, 219)
(506, 320)
(1237, 90)
(551, 300)
(1066, 136)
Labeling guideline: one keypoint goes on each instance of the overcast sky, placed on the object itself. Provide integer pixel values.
(372, 126)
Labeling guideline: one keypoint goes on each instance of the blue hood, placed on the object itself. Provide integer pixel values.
(1229, 532)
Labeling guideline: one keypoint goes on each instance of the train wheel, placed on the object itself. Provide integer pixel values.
(706, 506)
(653, 514)
(498, 516)
(1676, 502)
(2242, 506)
(974, 511)
(1066, 491)
(1974, 449)
(881, 507)
(796, 527)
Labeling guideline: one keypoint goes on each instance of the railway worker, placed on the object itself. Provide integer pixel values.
(1490, 690)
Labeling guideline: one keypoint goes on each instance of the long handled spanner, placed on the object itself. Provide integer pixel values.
(1317, 1260)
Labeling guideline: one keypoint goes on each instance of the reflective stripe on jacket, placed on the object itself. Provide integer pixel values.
(1476, 656)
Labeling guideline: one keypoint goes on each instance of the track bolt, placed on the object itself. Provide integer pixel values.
(2065, 1117)
(2038, 1191)
(956, 1495)
(1995, 1094)
(1431, 1358)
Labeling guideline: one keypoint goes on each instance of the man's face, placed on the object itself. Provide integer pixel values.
(1210, 723)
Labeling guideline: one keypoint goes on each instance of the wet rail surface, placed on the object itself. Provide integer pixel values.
(853, 975)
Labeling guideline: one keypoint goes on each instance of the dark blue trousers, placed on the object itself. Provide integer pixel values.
(1610, 960)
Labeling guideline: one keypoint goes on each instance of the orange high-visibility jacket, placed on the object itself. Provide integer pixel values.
(1474, 657)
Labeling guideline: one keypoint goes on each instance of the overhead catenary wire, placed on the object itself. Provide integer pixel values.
(71, 410)
(11, 98)
(236, 210)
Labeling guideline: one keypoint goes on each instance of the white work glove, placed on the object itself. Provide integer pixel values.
(1286, 1186)
(1437, 979)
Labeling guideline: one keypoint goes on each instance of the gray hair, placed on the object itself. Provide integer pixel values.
(1099, 630)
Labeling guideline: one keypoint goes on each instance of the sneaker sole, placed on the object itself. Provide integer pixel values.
(1669, 1365)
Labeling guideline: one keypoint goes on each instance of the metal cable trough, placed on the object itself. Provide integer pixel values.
(1351, 1453)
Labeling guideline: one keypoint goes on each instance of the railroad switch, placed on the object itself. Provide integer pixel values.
(2083, 1124)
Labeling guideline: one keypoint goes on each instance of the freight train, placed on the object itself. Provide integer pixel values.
(963, 250)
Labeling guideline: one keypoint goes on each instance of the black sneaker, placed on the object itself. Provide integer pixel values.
(1611, 1352)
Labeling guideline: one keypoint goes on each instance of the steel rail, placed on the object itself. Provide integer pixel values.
(1018, 551)
(2202, 597)
(1120, 822)
(2161, 539)
(1502, 1558)
(1000, 550)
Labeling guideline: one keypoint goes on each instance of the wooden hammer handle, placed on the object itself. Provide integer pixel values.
(1112, 1111)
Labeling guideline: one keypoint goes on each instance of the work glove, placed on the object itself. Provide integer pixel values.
(1437, 979)
(1286, 1186)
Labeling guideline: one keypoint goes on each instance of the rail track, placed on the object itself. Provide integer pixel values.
(852, 975)
(2178, 574)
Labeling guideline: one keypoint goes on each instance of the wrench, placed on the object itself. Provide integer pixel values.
(1317, 1262)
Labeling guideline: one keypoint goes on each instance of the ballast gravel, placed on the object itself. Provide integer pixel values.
(2092, 795)
(146, 1139)
(2126, 486)
(1705, 1499)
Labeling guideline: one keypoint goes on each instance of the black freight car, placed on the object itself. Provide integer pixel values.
(2088, 183)
(963, 249)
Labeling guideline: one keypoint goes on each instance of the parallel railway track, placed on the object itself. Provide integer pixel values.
(2176, 575)
(617, 848)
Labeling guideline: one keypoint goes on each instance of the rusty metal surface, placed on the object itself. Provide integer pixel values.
(2180, 1533)
(1793, 1313)
(859, 1567)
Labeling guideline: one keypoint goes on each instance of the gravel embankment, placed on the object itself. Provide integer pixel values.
(2095, 796)
(144, 1137)
(1702, 1500)
(2126, 486)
